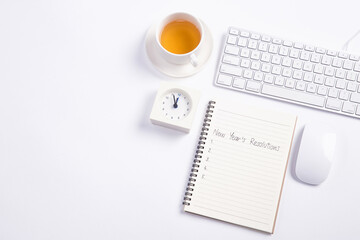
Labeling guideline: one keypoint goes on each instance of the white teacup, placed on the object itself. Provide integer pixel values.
(180, 59)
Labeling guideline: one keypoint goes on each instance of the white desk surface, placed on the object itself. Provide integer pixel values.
(79, 158)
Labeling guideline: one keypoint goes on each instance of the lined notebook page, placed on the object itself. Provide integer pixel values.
(243, 166)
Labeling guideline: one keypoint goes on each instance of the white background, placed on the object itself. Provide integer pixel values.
(79, 158)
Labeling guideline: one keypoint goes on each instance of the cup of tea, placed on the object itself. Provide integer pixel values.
(179, 37)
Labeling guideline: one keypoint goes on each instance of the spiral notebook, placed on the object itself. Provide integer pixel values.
(240, 165)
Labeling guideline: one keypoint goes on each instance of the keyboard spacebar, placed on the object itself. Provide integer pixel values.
(293, 95)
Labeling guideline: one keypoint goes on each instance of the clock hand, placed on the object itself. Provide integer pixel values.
(175, 102)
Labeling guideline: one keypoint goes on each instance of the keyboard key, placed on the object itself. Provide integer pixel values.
(319, 79)
(344, 95)
(255, 55)
(265, 57)
(357, 110)
(349, 107)
(286, 62)
(333, 93)
(289, 94)
(276, 70)
(351, 86)
(252, 44)
(318, 68)
(269, 78)
(263, 46)
(340, 73)
(287, 43)
(322, 90)
(330, 82)
(273, 48)
(242, 42)
(308, 66)
(287, 72)
(309, 48)
(255, 36)
(225, 68)
(337, 62)
(297, 74)
(224, 79)
(351, 76)
(248, 74)
(266, 38)
(348, 65)
(326, 60)
(231, 60)
(298, 45)
(290, 83)
(300, 85)
(239, 83)
(343, 55)
(266, 68)
(320, 50)
(244, 34)
(258, 76)
(311, 88)
(340, 84)
(297, 64)
(253, 86)
(357, 67)
(279, 80)
(245, 63)
(305, 55)
(232, 49)
(331, 53)
(308, 77)
(277, 41)
(294, 53)
(255, 65)
(315, 58)
(233, 31)
(283, 51)
(333, 104)
(231, 39)
(245, 53)
(329, 71)
(355, 97)
(276, 59)
(354, 57)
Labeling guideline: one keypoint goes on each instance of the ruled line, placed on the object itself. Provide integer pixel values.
(244, 148)
(242, 193)
(242, 172)
(243, 210)
(240, 165)
(237, 216)
(257, 158)
(235, 186)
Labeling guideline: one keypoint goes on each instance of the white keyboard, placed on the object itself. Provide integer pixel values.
(290, 71)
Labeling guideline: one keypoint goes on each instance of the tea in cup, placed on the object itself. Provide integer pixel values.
(180, 37)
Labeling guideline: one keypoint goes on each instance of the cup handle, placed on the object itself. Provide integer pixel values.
(194, 60)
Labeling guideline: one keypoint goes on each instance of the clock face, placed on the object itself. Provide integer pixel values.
(176, 104)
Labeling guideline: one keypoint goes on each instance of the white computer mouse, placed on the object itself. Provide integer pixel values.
(316, 153)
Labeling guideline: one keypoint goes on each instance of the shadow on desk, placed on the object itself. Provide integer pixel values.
(294, 154)
(146, 125)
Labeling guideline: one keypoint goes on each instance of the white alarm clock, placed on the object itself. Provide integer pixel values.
(175, 106)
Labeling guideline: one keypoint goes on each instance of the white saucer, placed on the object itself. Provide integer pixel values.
(176, 70)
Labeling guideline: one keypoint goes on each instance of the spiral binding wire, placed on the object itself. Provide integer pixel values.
(198, 153)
